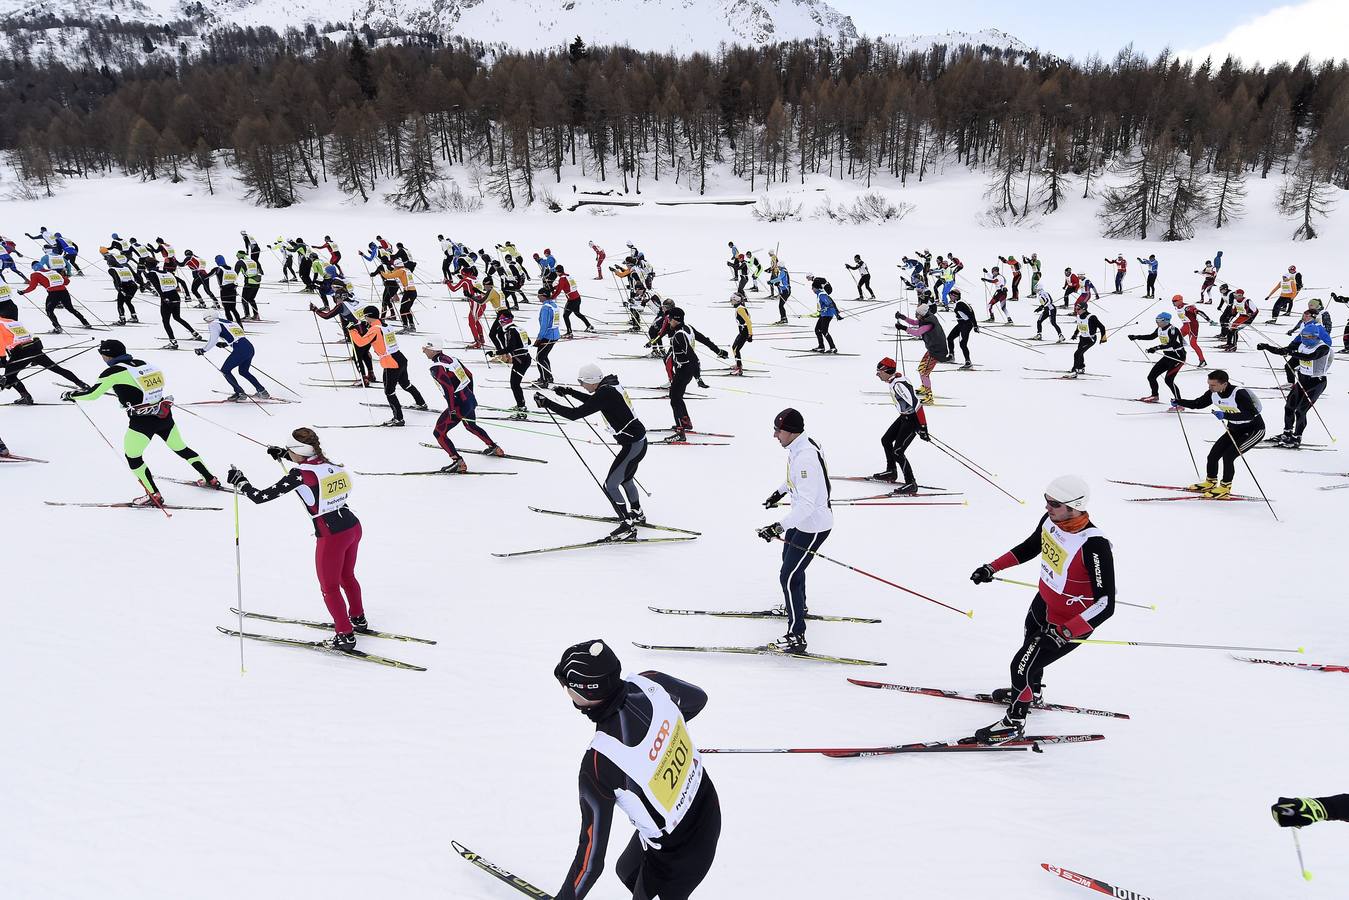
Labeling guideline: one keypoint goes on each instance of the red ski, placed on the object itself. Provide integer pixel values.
(18, 459)
(1094, 884)
(1313, 667)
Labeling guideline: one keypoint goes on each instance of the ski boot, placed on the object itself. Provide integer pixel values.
(736, 369)
(393, 423)
(908, 488)
(212, 482)
(340, 641)
(1219, 491)
(1060, 339)
(457, 466)
(1006, 729)
(780, 322)
(1036, 337)
(494, 450)
(832, 350)
(121, 320)
(519, 414)
(134, 320)
(967, 365)
(171, 345)
(197, 337)
(1151, 398)
(637, 517)
(789, 643)
(262, 395)
(236, 397)
(925, 395)
(1293, 442)
(886, 475)
(626, 531)
(1203, 487)
(590, 329)
(57, 329)
(359, 623)
(23, 401)
(154, 499)
(421, 406)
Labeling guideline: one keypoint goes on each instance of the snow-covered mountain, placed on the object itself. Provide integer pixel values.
(58, 27)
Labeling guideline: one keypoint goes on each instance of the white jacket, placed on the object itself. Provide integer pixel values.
(808, 486)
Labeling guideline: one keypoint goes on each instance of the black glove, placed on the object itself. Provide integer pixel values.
(1153, 349)
(923, 435)
(277, 453)
(200, 351)
(768, 532)
(773, 499)
(982, 575)
(1133, 337)
(1294, 812)
(1059, 634)
(1268, 347)
(69, 396)
(539, 399)
(723, 353)
(838, 316)
(559, 390)
(236, 478)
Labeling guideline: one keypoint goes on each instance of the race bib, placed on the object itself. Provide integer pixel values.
(1052, 554)
(235, 331)
(675, 753)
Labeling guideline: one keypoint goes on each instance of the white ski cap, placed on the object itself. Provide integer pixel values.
(209, 317)
(436, 346)
(1070, 490)
(590, 374)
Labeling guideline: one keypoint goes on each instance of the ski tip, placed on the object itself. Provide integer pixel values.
(1301, 649)
(970, 613)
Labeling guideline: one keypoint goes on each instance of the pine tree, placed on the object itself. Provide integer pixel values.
(1183, 202)
(419, 184)
(1227, 191)
(1129, 209)
(204, 159)
(1305, 195)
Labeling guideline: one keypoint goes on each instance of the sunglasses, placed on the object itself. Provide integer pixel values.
(1054, 504)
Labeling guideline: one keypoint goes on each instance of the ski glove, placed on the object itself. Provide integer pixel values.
(1059, 634)
(723, 353)
(982, 575)
(200, 351)
(1294, 812)
(1153, 349)
(68, 395)
(539, 399)
(1218, 414)
(768, 532)
(277, 453)
(559, 390)
(923, 435)
(236, 478)
(773, 499)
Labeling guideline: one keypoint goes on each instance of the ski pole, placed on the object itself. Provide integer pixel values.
(1297, 845)
(600, 438)
(579, 456)
(1007, 340)
(949, 451)
(318, 331)
(1298, 384)
(1180, 417)
(222, 427)
(265, 374)
(816, 553)
(1151, 606)
(1250, 470)
(59, 362)
(92, 425)
(239, 578)
(1184, 646)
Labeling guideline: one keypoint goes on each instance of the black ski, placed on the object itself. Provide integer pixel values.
(438, 472)
(129, 505)
(759, 614)
(611, 519)
(982, 698)
(328, 626)
(497, 872)
(602, 542)
(763, 651)
(532, 459)
(20, 459)
(318, 645)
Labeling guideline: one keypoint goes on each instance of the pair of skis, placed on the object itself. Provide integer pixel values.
(319, 645)
(484, 452)
(679, 535)
(529, 890)
(1190, 493)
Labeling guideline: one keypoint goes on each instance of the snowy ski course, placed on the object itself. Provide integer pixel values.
(143, 764)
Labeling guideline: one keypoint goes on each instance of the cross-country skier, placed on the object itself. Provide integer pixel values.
(1210, 274)
(1243, 426)
(461, 405)
(1190, 314)
(171, 289)
(1312, 352)
(1072, 283)
(227, 334)
(1171, 345)
(514, 350)
(1047, 310)
(1034, 262)
(966, 321)
(1012, 260)
(744, 332)
(324, 487)
(1121, 266)
(141, 389)
(1244, 312)
(573, 305)
(547, 338)
(999, 295)
(1151, 263)
(927, 326)
(863, 275)
(1088, 326)
(252, 272)
(392, 362)
(783, 282)
(643, 759)
(1076, 596)
(828, 311)
(911, 421)
(599, 261)
(1288, 286)
(603, 394)
(19, 349)
(806, 525)
(684, 366)
(57, 287)
(124, 282)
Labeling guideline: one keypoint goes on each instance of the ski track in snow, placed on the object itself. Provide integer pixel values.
(143, 764)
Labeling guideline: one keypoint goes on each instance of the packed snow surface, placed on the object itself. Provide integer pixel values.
(142, 763)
